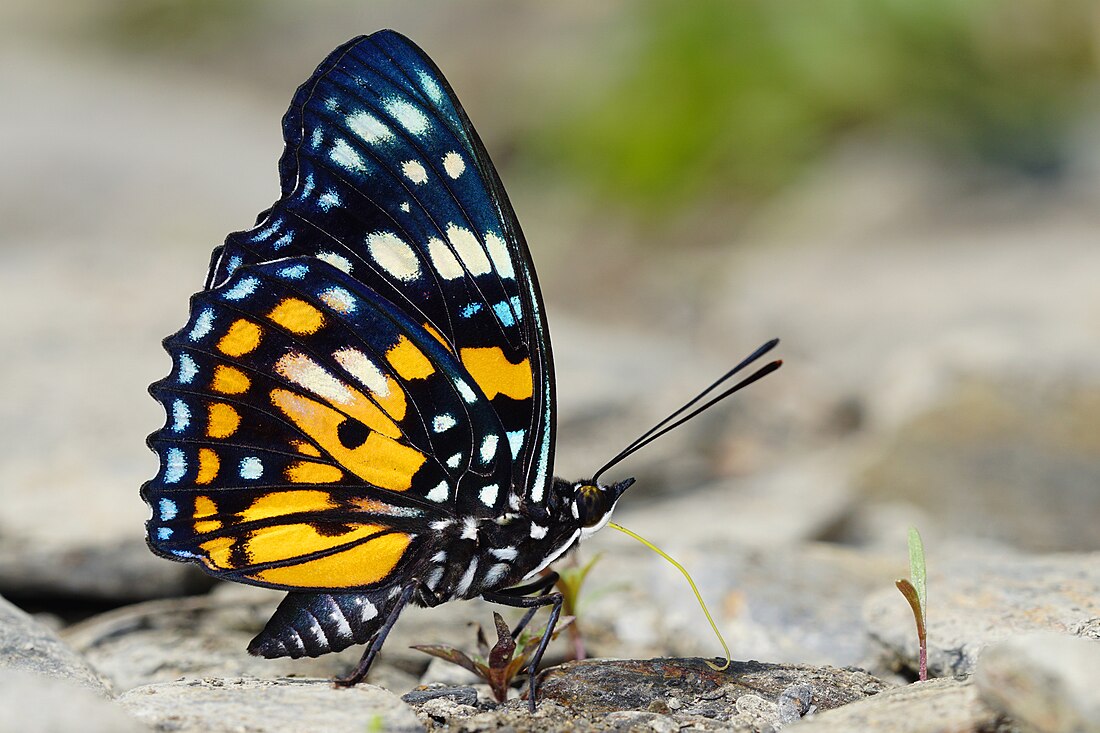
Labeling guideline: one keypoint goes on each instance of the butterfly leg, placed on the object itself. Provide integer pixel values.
(379, 639)
(542, 586)
(533, 603)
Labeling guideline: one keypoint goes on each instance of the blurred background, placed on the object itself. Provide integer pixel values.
(907, 192)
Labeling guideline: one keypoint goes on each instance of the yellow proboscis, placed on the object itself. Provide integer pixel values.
(698, 596)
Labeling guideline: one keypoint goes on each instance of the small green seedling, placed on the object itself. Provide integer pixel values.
(570, 580)
(915, 591)
(498, 665)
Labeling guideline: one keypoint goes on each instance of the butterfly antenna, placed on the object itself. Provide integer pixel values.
(667, 424)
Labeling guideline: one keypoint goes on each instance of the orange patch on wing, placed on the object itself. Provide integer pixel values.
(306, 449)
(297, 316)
(230, 380)
(208, 466)
(379, 460)
(438, 336)
(242, 337)
(409, 361)
(280, 503)
(205, 507)
(394, 401)
(222, 420)
(495, 375)
(217, 553)
(356, 566)
(309, 472)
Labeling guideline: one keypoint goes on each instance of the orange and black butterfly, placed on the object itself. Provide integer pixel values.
(361, 405)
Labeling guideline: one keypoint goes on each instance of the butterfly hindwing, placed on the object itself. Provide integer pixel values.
(384, 177)
(314, 433)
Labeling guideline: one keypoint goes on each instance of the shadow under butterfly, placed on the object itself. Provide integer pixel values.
(361, 408)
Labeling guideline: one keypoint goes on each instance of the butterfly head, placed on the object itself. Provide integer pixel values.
(592, 503)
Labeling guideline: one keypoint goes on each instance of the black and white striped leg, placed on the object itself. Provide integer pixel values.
(379, 639)
(533, 603)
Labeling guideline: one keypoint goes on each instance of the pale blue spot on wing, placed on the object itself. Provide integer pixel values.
(164, 533)
(234, 262)
(283, 241)
(469, 309)
(308, 186)
(407, 115)
(294, 272)
(242, 289)
(175, 466)
(168, 510)
(515, 441)
(203, 323)
(181, 416)
(517, 308)
(317, 138)
(345, 156)
(252, 468)
(430, 87)
(328, 199)
(503, 310)
(187, 369)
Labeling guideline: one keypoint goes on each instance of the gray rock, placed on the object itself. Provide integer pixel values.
(28, 646)
(794, 603)
(267, 706)
(120, 572)
(598, 687)
(936, 706)
(1045, 680)
(977, 597)
(33, 703)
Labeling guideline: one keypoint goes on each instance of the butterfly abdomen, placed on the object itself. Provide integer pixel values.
(312, 624)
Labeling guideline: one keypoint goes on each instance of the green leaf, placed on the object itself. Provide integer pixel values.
(917, 572)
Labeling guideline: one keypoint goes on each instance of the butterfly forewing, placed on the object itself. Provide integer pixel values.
(384, 177)
(315, 433)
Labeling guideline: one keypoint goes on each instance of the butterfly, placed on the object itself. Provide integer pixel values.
(361, 408)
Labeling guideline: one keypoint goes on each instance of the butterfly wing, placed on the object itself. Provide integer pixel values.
(315, 434)
(384, 177)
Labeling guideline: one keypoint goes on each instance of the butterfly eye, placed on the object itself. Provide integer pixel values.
(591, 506)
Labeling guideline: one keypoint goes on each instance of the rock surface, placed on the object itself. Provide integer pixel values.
(28, 646)
(977, 597)
(936, 706)
(1044, 680)
(267, 706)
(32, 703)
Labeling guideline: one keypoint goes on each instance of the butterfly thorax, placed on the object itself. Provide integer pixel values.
(476, 555)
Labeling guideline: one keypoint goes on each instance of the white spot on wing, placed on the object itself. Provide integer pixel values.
(498, 251)
(394, 255)
(453, 164)
(488, 448)
(464, 390)
(363, 368)
(328, 199)
(442, 423)
(515, 441)
(407, 115)
(444, 260)
(244, 288)
(368, 127)
(336, 260)
(454, 460)
(440, 493)
(311, 376)
(469, 249)
(537, 531)
(345, 156)
(251, 468)
(338, 299)
(488, 494)
(414, 171)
